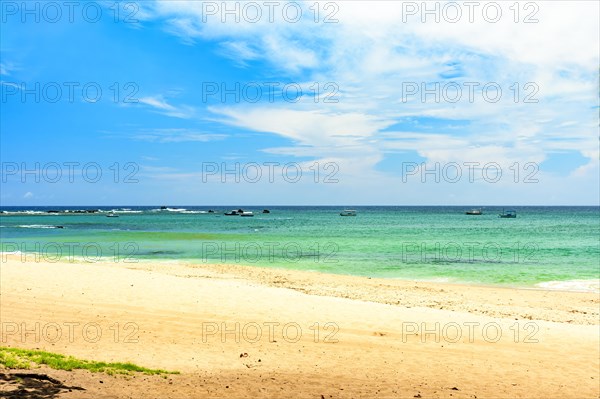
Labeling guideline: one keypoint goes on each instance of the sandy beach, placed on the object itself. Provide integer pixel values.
(234, 331)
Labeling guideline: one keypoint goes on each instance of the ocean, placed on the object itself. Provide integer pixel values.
(544, 247)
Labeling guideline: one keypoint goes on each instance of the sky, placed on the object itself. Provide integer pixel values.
(299, 103)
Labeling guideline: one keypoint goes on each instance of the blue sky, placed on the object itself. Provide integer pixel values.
(384, 116)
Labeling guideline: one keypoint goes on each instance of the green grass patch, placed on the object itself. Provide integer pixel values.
(15, 358)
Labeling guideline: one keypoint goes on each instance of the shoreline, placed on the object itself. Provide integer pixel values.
(390, 291)
(456, 283)
(320, 334)
(199, 263)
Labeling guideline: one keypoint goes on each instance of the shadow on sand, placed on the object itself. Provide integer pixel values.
(31, 386)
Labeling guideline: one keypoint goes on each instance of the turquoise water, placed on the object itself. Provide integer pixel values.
(543, 246)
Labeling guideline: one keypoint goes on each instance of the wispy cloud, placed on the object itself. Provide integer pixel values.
(373, 52)
(7, 67)
(240, 52)
(176, 136)
(10, 84)
(161, 105)
(370, 59)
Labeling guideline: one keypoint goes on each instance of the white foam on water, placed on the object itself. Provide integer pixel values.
(572, 285)
(25, 213)
(37, 226)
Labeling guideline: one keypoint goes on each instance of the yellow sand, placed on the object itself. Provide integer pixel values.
(303, 334)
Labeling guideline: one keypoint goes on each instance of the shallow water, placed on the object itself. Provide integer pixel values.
(549, 247)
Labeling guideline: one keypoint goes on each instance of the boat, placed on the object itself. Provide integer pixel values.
(112, 215)
(474, 212)
(246, 214)
(509, 214)
(231, 213)
(266, 211)
(348, 212)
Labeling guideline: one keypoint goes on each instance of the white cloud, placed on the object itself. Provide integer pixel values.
(176, 136)
(376, 48)
(162, 106)
(239, 52)
(306, 127)
(10, 84)
(6, 68)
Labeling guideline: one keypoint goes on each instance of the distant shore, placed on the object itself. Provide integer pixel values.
(256, 332)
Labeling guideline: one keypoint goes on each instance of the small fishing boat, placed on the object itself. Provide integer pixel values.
(509, 214)
(246, 214)
(266, 211)
(112, 215)
(348, 212)
(231, 213)
(474, 212)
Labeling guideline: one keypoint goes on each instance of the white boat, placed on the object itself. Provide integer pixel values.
(348, 212)
(246, 214)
